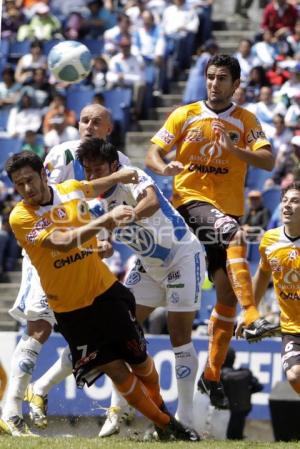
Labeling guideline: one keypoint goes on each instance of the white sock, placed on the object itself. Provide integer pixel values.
(117, 400)
(22, 365)
(61, 369)
(186, 366)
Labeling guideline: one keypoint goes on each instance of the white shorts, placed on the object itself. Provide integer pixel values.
(178, 287)
(31, 303)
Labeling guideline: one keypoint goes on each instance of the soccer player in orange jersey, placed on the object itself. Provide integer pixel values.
(280, 260)
(53, 224)
(215, 140)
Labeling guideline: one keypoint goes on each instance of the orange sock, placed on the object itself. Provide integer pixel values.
(295, 386)
(220, 331)
(149, 376)
(136, 394)
(240, 278)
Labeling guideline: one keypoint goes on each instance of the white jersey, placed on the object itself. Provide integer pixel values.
(156, 239)
(61, 163)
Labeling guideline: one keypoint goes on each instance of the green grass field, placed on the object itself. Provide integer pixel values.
(117, 443)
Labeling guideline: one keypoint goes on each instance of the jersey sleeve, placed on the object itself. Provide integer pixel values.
(124, 160)
(170, 132)
(56, 166)
(30, 229)
(144, 182)
(255, 137)
(72, 185)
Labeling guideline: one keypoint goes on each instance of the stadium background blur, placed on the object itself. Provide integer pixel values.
(141, 73)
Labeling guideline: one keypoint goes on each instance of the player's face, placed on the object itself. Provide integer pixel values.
(96, 169)
(290, 208)
(32, 186)
(220, 86)
(95, 122)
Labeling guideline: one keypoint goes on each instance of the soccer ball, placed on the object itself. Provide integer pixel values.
(70, 61)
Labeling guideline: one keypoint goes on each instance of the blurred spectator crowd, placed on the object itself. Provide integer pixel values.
(139, 48)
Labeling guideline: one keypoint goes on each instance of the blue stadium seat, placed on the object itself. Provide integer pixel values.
(271, 198)
(78, 97)
(4, 48)
(256, 178)
(8, 146)
(118, 101)
(18, 49)
(4, 113)
(48, 45)
(94, 45)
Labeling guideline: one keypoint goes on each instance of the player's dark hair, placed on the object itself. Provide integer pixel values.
(228, 61)
(23, 159)
(294, 186)
(93, 148)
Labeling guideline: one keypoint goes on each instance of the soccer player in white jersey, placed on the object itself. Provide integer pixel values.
(170, 267)
(31, 303)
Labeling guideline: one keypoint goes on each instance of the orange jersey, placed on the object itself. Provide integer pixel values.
(281, 256)
(211, 173)
(72, 279)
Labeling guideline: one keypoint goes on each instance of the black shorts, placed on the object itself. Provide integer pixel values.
(105, 331)
(290, 351)
(213, 228)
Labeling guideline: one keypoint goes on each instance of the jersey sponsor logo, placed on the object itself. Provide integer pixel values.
(174, 298)
(234, 136)
(174, 276)
(87, 359)
(165, 136)
(208, 169)
(211, 150)
(43, 223)
(221, 221)
(255, 135)
(228, 227)
(293, 255)
(80, 255)
(193, 135)
(133, 279)
(139, 239)
(293, 296)
(275, 265)
(292, 277)
(82, 208)
(182, 371)
(60, 212)
(175, 285)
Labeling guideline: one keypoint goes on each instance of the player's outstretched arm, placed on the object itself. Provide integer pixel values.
(124, 176)
(147, 205)
(154, 160)
(67, 239)
(261, 158)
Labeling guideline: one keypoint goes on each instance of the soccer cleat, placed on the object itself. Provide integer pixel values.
(38, 406)
(16, 427)
(114, 417)
(176, 431)
(259, 329)
(215, 391)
